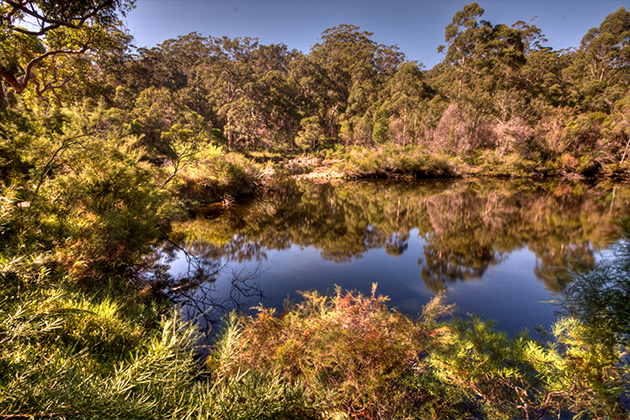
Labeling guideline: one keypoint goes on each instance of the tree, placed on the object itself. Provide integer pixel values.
(310, 134)
(405, 90)
(36, 32)
(353, 66)
(600, 70)
(607, 48)
(482, 64)
(166, 127)
(225, 74)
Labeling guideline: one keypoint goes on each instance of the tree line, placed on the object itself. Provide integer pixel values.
(499, 92)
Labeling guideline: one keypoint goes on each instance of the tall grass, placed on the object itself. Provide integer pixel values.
(68, 354)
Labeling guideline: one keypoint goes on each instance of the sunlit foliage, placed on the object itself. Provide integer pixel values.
(103, 147)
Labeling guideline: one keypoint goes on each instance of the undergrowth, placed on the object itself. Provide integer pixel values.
(71, 347)
(339, 357)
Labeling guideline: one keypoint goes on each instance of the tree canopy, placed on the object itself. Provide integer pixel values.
(35, 34)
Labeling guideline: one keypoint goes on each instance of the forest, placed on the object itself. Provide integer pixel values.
(106, 147)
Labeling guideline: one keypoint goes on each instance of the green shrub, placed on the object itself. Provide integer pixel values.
(216, 173)
(392, 161)
(487, 366)
(107, 216)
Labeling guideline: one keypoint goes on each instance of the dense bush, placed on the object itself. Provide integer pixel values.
(392, 161)
(216, 173)
(354, 355)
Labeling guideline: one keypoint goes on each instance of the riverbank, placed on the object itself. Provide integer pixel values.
(418, 163)
(210, 188)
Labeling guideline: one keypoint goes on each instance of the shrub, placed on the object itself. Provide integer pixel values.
(392, 161)
(488, 367)
(110, 215)
(216, 173)
(354, 355)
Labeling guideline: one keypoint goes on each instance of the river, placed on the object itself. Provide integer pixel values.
(496, 247)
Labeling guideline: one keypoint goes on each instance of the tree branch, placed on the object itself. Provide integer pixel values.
(50, 86)
(33, 33)
(65, 145)
(11, 80)
(36, 60)
(20, 83)
(52, 22)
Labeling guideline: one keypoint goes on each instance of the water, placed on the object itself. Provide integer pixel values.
(495, 247)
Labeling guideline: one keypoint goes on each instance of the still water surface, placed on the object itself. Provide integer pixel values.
(494, 247)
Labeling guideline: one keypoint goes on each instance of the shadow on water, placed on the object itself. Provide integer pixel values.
(305, 235)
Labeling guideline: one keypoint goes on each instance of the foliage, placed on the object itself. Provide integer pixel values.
(393, 161)
(113, 214)
(216, 174)
(55, 38)
(498, 88)
(598, 295)
(355, 356)
(65, 353)
(490, 368)
(100, 144)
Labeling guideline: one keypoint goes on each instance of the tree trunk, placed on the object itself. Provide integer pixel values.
(625, 152)
(404, 131)
(230, 136)
(3, 99)
(10, 79)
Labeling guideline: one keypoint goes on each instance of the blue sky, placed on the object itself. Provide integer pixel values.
(415, 26)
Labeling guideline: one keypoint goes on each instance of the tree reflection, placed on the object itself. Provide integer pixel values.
(466, 226)
(396, 244)
(191, 283)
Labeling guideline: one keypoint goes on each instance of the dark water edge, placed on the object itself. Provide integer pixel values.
(494, 246)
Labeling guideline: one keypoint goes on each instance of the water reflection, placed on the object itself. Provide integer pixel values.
(458, 229)
(187, 272)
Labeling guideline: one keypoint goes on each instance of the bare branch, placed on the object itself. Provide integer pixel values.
(65, 145)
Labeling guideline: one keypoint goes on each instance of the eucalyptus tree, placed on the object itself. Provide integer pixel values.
(347, 69)
(225, 75)
(255, 101)
(37, 37)
(592, 132)
(403, 94)
(482, 71)
(482, 60)
(601, 69)
(276, 95)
